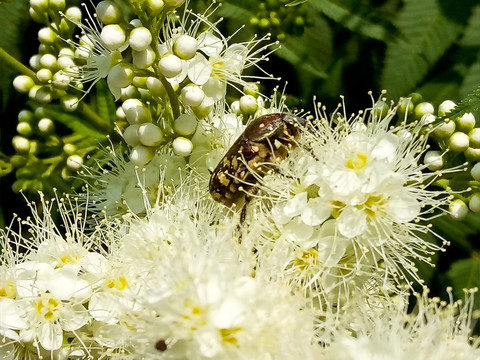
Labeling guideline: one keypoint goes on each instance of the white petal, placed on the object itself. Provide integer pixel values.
(316, 212)
(199, 70)
(74, 318)
(215, 88)
(296, 205)
(210, 44)
(297, 231)
(12, 315)
(344, 182)
(352, 222)
(403, 208)
(50, 335)
(386, 147)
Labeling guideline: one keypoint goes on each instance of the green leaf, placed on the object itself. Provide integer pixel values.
(73, 122)
(310, 52)
(471, 103)
(349, 20)
(239, 11)
(465, 274)
(104, 102)
(425, 34)
(471, 36)
(13, 17)
(471, 80)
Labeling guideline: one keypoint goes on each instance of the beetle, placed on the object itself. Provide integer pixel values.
(266, 140)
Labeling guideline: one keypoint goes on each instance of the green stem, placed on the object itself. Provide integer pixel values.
(96, 120)
(16, 65)
(174, 104)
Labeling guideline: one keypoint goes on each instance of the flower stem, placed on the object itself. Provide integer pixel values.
(17, 65)
(174, 104)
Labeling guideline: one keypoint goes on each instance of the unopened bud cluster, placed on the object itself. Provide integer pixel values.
(40, 154)
(457, 142)
(275, 17)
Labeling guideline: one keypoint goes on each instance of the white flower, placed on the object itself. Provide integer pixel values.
(437, 330)
(366, 181)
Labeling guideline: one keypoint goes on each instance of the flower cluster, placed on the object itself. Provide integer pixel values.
(316, 260)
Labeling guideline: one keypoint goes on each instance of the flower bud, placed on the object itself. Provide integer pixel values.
(135, 111)
(475, 172)
(472, 155)
(235, 107)
(173, 3)
(24, 128)
(56, 5)
(130, 135)
(192, 95)
(248, 104)
(74, 163)
(120, 113)
(108, 12)
(434, 160)
(474, 137)
(458, 210)
(113, 36)
(47, 35)
(46, 125)
(25, 115)
(140, 38)
(155, 6)
(21, 144)
(120, 76)
(445, 107)
(65, 62)
(69, 102)
(43, 95)
(23, 83)
(458, 141)
(74, 13)
(141, 155)
(34, 62)
(69, 149)
(61, 80)
(44, 75)
(446, 129)
(155, 86)
(39, 5)
(185, 124)
(424, 108)
(150, 134)
(182, 146)
(404, 108)
(143, 59)
(170, 65)
(48, 61)
(185, 47)
(466, 122)
(204, 109)
(474, 203)
(38, 16)
(129, 92)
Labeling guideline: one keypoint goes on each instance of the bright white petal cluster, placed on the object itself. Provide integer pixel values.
(347, 202)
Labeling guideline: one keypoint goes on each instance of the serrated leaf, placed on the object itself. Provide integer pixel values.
(73, 122)
(471, 36)
(349, 20)
(465, 274)
(426, 33)
(470, 103)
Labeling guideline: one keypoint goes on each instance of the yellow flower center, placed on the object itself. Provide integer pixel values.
(357, 162)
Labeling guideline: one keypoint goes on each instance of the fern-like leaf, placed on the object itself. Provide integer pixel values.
(425, 34)
(471, 36)
(348, 19)
(469, 104)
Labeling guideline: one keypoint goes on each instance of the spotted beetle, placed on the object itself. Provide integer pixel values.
(266, 140)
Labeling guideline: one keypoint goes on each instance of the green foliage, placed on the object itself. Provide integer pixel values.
(465, 274)
(13, 16)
